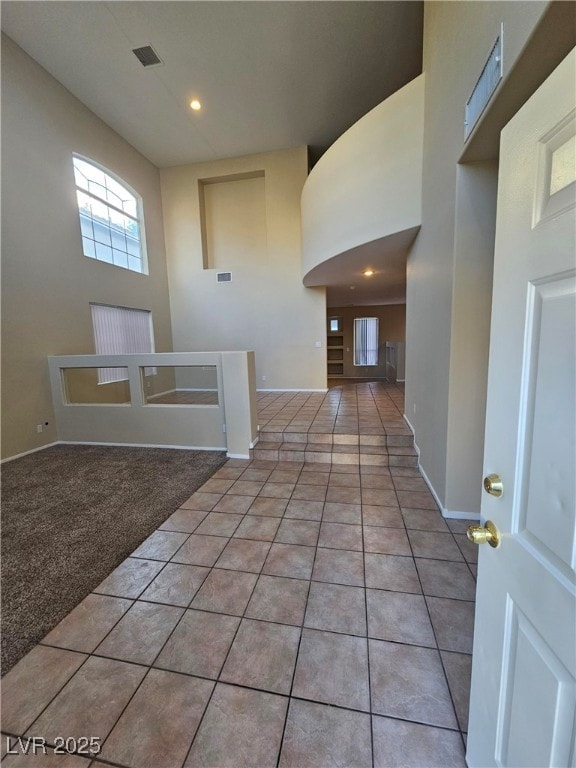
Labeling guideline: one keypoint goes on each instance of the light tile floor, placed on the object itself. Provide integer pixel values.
(287, 614)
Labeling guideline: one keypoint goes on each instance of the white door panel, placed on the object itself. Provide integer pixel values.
(523, 696)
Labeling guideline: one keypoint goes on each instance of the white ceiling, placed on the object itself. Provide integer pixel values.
(343, 275)
(270, 75)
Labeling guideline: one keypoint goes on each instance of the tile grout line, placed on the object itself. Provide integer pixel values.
(440, 655)
(367, 640)
(298, 649)
(230, 538)
(218, 679)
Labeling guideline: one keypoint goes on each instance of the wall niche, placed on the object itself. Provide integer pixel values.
(233, 221)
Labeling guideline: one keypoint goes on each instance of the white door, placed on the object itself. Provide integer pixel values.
(523, 696)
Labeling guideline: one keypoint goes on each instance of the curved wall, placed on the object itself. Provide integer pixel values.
(368, 185)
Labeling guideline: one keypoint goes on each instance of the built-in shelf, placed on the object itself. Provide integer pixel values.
(335, 354)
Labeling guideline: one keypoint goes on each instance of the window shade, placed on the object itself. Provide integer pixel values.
(366, 341)
(120, 331)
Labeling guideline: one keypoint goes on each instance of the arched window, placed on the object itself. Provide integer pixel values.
(110, 217)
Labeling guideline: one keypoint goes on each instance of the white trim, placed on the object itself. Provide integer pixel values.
(238, 455)
(453, 514)
(323, 391)
(450, 514)
(122, 445)
(27, 453)
(166, 405)
(160, 394)
(147, 445)
(255, 442)
(431, 488)
(402, 381)
(194, 389)
(359, 378)
(411, 428)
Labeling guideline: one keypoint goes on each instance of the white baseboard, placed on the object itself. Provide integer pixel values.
(147, 445)
(411, 428)
(321, 391)
(255, 442)
(367, 379)
(27, 453)
(161, 394)
(450, 514)
(179, 389)
(454, 514)
(238, 455)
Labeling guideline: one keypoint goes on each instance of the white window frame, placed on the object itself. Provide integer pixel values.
(120, 331)
(365, 341)
(90, 245)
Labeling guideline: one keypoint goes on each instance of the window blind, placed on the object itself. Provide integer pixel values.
(366, 341)
(120, 331)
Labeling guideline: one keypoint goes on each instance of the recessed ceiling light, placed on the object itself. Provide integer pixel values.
(352, 287)
(368, 272)
(195, 105)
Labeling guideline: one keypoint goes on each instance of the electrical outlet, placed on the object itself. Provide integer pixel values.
(318, 344)
(414, 408)
(263, 378)
(39, 428)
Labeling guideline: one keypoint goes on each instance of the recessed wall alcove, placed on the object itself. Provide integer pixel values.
(233, 220)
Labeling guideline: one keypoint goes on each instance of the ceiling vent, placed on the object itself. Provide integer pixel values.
(147, 56)
(223, 277)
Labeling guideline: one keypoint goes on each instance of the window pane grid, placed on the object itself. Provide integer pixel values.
(105, 205)
(109, 221)
(366, 341)
(92, 179)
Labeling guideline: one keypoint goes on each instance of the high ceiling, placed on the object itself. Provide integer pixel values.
(269, 75)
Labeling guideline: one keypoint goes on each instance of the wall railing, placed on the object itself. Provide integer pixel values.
(201, 400)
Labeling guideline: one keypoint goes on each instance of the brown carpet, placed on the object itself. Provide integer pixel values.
(70, 515)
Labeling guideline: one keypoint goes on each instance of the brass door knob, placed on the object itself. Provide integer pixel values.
(479, 534)
(493, 485)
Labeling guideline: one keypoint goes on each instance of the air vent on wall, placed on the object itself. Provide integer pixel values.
(147, 56)
(223, 277)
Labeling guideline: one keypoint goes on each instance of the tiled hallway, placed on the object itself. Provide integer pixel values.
(310, 608)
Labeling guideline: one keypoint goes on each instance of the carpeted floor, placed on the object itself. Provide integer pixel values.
(70, 515)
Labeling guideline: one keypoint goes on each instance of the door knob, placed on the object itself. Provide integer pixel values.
(493, 485)
(479, 534)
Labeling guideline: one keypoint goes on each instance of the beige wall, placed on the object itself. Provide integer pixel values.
(391, 327)
(234, 218)
(368, 185)
(47, 284)
(265, 308)
(450, 267)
